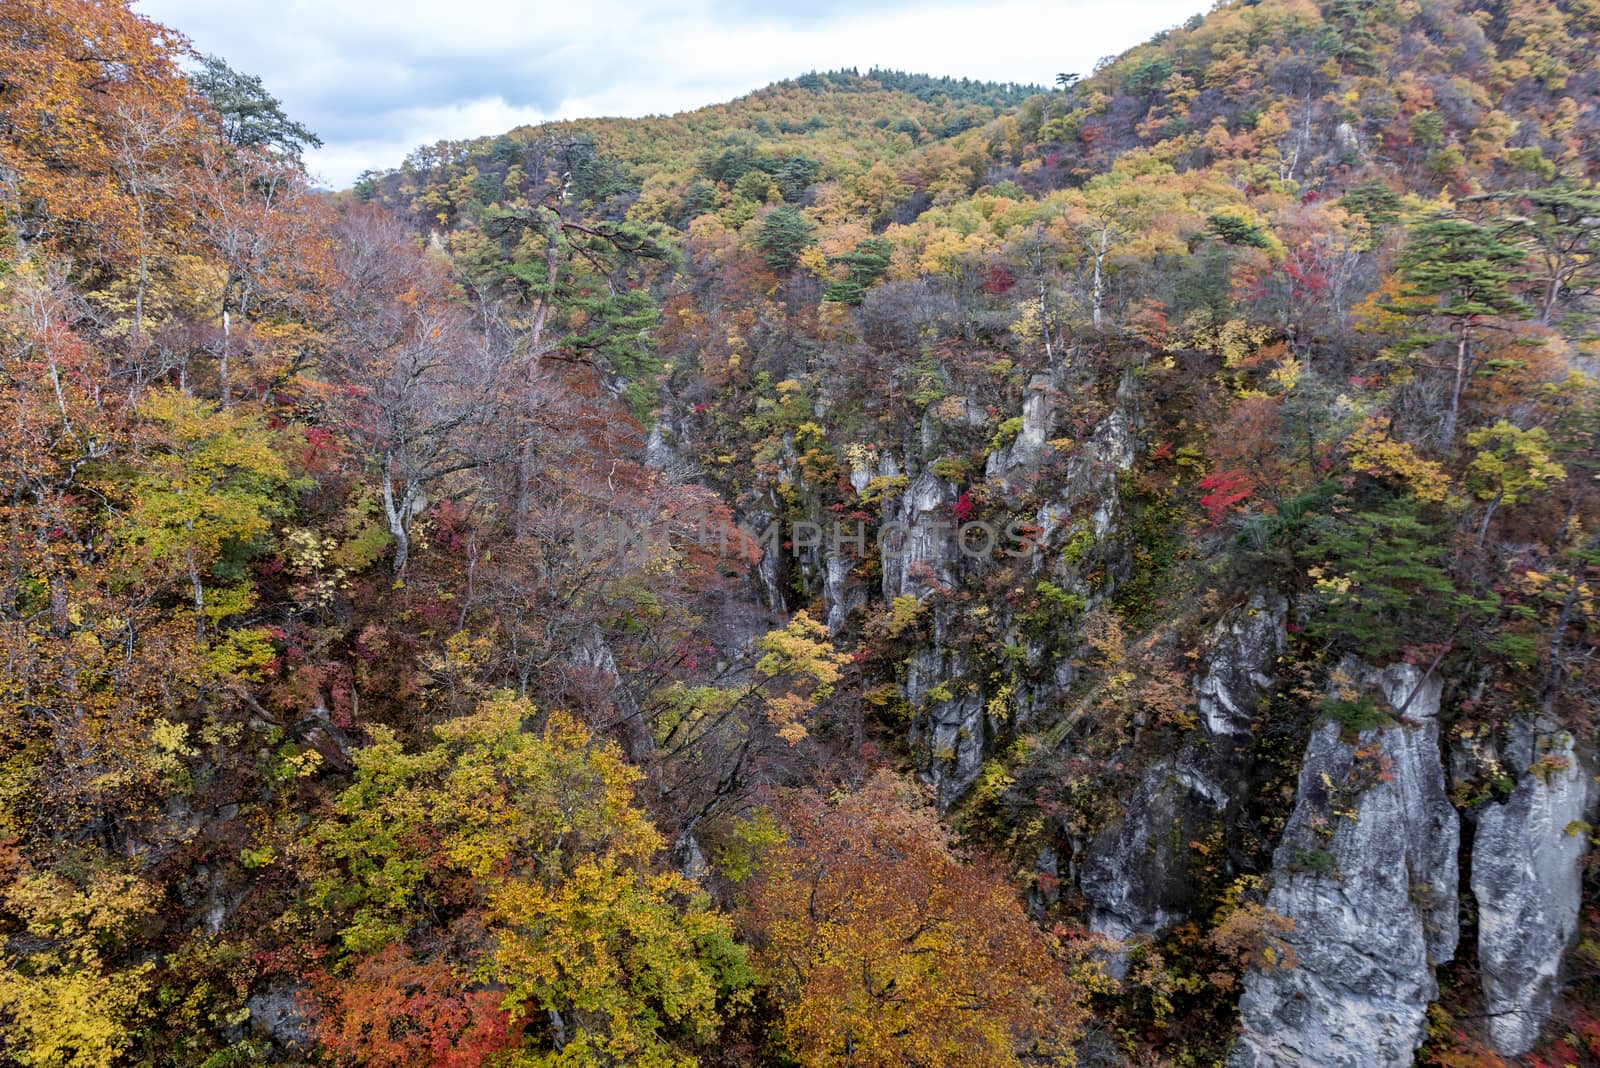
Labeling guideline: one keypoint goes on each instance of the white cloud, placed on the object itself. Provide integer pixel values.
(376, 86)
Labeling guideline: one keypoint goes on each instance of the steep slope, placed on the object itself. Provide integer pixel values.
(1284, 307)
(501, 613)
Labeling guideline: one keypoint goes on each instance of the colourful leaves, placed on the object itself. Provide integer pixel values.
(1225, 491)
(527, 847)
(1374, 451)
(884, 948)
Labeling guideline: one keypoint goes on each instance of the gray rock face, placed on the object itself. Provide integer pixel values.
(1367, 871)
(1028, 447)
(280, 1009)
(1527, 874)
(662, 452)
(1135, 871)
(840, 591)
(1243, 648)
(951, 736)
(769, 571)
(917, 540)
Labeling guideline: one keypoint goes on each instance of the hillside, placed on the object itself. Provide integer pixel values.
(814, 128)
(886, 570)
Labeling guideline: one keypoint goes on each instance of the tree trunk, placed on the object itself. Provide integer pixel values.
(1044, 324)
(199, 591)
(399, 516)
(222, 365)
(1552, 295)
(1099, 276)
(1463, 355)
(144, 280)
(1488, 514)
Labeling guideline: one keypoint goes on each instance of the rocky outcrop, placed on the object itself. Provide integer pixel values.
(951, 732)
(1238, 664)
(917, 540)
(663, 452)
(842, 592)
(1367, 872)
(1028, 447)
(1527, 876)
(1135, 872)
(281, 1009)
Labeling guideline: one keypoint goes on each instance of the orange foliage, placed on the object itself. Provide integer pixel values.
(885, 949)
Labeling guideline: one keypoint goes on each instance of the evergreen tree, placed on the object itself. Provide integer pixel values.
(1459, 274)
(784, 234)
(251, 116)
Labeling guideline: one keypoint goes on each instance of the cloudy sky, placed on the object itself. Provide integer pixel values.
(375, 86)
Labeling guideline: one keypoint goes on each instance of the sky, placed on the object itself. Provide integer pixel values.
(374, 86)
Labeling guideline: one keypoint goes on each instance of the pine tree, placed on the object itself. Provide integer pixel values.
(784, 234)
(1457, 272)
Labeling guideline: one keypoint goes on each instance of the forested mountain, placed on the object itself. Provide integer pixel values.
(888, 570)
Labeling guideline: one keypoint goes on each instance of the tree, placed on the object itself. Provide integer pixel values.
(64, 1004)
(1511, 465)
(1380, 579)
(73, 71)
(864, 265)
(251, 116)
(1560, 225)
(1125, 212)
(518, 857)
(782, 236)
(208, 488)
(708, 737)
(420, 384)
(1460, 273)
(883, 948)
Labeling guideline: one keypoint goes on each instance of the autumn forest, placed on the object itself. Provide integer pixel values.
(890, 570)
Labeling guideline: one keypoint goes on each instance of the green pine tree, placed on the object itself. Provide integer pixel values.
(1457, 274)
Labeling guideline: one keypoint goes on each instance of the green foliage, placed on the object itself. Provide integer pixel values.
(1380, 578)
(1456, 269)
(1005, 433)
(1373, 201)
(865, 265)
(251, 116)
(1317, 862)
(746, 845)
(539, 829)
(1354, 715)
(1234, 230)
(619, 328)
(1510, 466)
(782, 236)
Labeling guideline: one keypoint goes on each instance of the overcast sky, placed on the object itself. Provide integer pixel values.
(374, 86)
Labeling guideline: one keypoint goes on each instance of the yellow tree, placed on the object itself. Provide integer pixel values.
(1135, 210)
(517, 858)
(1510, 466)
(883, 948)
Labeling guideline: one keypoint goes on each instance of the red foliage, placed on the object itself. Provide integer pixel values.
(1226, 489)
(321, 452)
(998, 281)
(452, 527)
(393, 1012)
(964, 507)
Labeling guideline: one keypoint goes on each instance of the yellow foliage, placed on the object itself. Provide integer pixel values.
(1373, 452)
(65, 1005)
